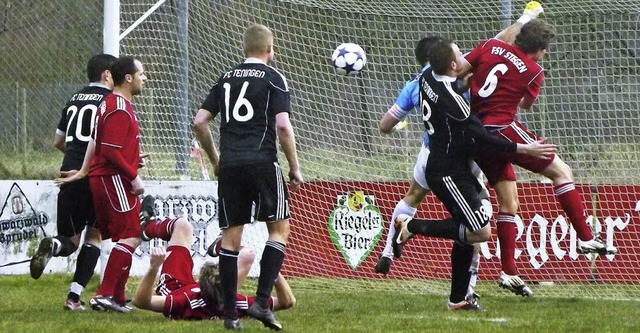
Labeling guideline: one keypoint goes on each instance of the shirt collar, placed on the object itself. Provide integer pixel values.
(98, 84)
(252, 60)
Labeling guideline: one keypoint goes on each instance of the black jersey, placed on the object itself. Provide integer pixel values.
(248, 97)
(76, 123)
(454, 133)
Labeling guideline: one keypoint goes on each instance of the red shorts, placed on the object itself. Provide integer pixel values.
(498, 166)
(117, 210)
(176, 270)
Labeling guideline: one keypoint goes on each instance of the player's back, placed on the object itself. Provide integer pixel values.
(76, 123)
(250, 96)
(502, 75)
(445, 112)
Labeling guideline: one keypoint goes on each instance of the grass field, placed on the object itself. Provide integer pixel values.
(36, 307)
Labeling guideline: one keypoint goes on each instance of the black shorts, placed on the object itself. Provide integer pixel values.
(75, 208)
(241, 186)
(459, 193)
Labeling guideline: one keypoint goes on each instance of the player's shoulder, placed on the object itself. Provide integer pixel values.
(277, 78)
(114, 102)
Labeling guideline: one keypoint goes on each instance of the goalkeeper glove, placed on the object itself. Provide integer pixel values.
(531, 12)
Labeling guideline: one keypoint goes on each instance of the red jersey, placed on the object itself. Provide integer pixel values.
(187, 303)
(117, 138)
(502, 75)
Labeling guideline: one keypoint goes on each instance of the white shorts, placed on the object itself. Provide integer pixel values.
(421, 166)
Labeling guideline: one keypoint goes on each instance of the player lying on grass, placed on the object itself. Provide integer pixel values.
(178, 295)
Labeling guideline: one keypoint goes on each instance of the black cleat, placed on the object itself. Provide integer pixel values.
(147, 213)
(41, 257)
(107, 303)
(214, 249)
(264, 315)
(383, 265)
(232, 324)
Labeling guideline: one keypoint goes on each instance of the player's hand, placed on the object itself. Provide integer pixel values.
(67, 177)
(137, 186)
(157, 256)
(143, 162)
(295, 179)
(533, 9)
(539, 148)
(465, 82)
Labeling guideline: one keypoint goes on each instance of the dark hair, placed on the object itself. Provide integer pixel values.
(441, 56)
(98, 64)
(122, 67)
(534, 36)
(423, 48)
(210, 286)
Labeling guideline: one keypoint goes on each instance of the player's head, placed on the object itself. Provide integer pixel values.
(445, 57)
(129, 72)
(98, 65)
(258, 42)
(534, 38)
(423, 48)
(210, 287)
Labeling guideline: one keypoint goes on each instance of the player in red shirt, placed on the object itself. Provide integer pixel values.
(506, 77)
(178, 295)
(115, 183)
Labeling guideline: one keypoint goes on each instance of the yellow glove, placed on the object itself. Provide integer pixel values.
(531, 11)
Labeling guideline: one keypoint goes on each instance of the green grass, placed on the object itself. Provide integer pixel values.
(36, 306)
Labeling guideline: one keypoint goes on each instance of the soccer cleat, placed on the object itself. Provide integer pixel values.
(147, 213)
(383, 265)
(264, 315)
(596, 245)
(232, 324)
(466, 304)
(41, 257)
(214, 249)
(514, 284)
(74, 306)
(402, 234)
(107, 303)
(533, 9)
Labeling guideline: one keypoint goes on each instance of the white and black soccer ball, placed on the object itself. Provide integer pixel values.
(349, 59)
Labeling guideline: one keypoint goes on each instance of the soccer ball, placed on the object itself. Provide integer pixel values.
(349, 59)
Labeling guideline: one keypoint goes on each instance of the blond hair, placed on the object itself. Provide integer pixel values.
(257, 40)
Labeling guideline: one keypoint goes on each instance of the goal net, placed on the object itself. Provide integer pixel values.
(355, 175)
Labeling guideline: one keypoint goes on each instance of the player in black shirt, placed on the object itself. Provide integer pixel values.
(75, 205)
(454, 136)
(253, 102)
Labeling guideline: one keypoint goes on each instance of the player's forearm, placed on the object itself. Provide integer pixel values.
(88, 156)
(390, 120)
(142, 296)
(204, 136)
(288, 143)
(58, 142)
(284, 294)
(114, 155)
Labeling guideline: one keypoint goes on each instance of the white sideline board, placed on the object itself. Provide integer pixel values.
(29, 214)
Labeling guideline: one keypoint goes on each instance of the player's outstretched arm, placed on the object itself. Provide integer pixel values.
(531, 11)
(73, 175)
(143, 297)
(538, 148)
(204, 136)
(389, 122)
(288, 143)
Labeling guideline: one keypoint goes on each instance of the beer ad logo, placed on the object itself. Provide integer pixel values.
(355, 226)
(19, 221)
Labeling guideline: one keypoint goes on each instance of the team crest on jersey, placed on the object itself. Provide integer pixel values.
(19, 221)
(355, 226)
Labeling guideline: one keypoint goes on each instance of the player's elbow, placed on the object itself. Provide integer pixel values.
(288, 303)
(140, 304)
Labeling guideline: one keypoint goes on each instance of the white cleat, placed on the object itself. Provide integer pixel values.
(514, 284)
(402, 234)
(596, 245)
